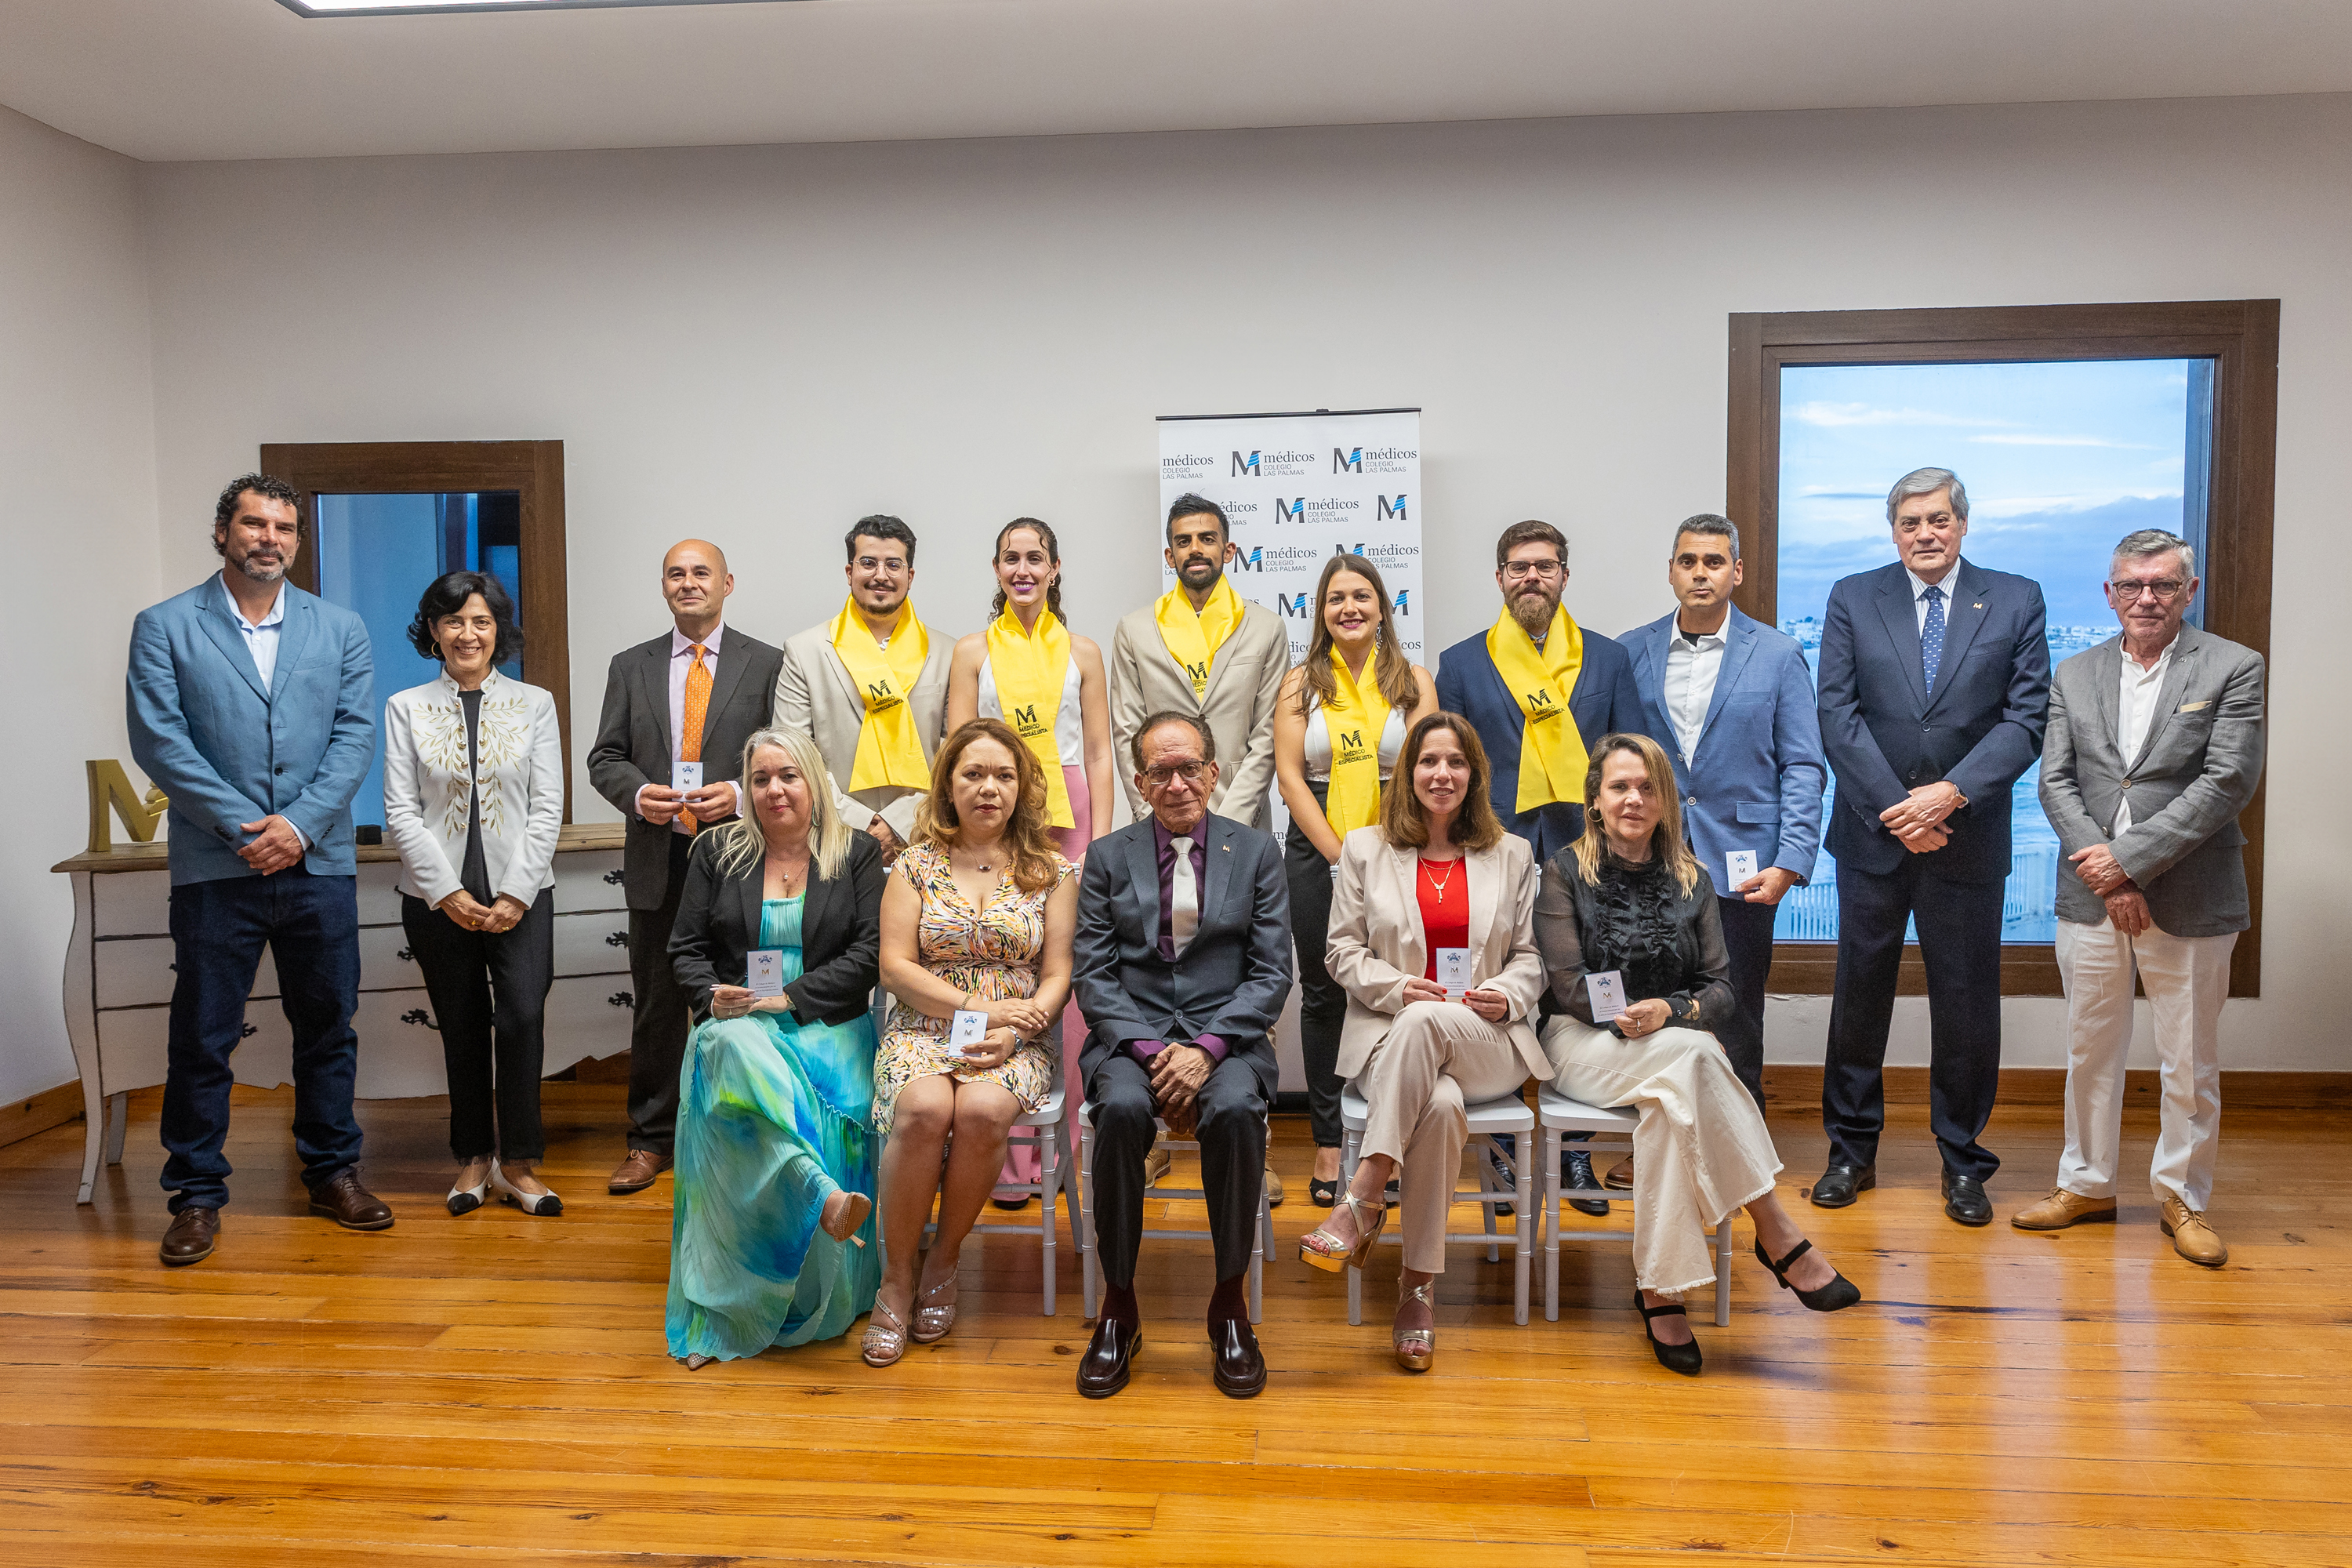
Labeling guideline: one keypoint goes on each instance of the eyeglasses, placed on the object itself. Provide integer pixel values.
(1162, 774)
(889, 564)
(2166, 591)
(1520, 571)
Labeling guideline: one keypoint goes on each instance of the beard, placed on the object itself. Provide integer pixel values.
(1532, 608)
(1199, 574)
(260, 569)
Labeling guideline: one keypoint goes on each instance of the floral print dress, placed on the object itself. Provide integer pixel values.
(992, 950)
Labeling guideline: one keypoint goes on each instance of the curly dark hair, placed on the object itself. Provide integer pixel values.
(268, 487)
(447, 595)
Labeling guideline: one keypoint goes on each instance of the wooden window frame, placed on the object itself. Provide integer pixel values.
(534, 469)
(2241, 335)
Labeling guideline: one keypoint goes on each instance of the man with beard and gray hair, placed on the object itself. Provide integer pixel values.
(249, 704)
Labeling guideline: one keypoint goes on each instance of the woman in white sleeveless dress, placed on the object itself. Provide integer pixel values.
(1029, 671)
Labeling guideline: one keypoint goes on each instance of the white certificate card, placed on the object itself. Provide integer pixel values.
(1739, 865)
(767, 978)
(685, 776)
(966, 1030)
(1454, 971)
(1607, 992)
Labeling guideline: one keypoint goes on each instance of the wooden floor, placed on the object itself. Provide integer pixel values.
(494, 1389)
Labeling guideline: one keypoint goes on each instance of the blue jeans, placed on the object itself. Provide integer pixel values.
(311, 925)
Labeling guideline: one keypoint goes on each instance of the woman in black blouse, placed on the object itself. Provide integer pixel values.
(1628, 903)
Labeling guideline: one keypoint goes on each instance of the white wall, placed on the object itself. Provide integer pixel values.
(761, 343)
(78, 464)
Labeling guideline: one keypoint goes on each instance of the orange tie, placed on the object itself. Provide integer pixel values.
(690, 729)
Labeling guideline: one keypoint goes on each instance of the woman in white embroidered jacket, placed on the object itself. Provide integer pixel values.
(473, 799)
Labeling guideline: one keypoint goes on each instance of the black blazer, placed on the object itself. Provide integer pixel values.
(841, 933)
(1573, 918)
(1233, 978)
(1606, 700)
(1885, 736)
(632, 741)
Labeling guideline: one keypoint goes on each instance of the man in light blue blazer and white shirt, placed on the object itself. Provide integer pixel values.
(1737, 700)
(249, 703)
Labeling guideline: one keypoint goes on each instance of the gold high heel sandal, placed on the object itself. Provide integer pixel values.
(933, 1322)
(1319, 1248)
(1416, 1348)
(884, 1342)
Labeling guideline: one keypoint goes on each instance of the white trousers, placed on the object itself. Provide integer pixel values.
(1700, 1149)
(1437, 1055)
(2188, 979)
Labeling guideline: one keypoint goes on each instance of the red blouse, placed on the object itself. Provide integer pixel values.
(1445, 906)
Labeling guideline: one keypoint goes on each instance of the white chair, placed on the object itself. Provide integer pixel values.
(1612, 1132)
(1488, 1119)
(1045, 1130)
(1091, 1262)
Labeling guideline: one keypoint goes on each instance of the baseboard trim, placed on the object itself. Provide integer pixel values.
(1792, 1085)
(20, 1119)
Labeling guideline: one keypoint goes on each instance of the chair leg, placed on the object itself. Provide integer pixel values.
(1723, 1273)
(1523, 1167)
(1551, 1223)
(1049, 1148)
(1351, 1146)
(1257, 1257)
(1089, 1266)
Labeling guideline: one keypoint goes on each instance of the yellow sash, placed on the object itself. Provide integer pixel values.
(1030, 668)
(1193, 640)
(1552, 758)
(889, 747)
(1354, 719)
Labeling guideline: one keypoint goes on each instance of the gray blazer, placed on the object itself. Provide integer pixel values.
(632, 741)
(1233, 978)
(815, 696)
(2195, 773)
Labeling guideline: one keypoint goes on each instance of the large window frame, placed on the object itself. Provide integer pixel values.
(2240, 335)
(534, 469)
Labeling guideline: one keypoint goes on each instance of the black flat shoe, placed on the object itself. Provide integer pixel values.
(1580, 1174)
(1841, 1185)
(1966, 1200)
(1111, 1355)
(1240, 1369)
(1834, 1296)
(1684, 1359)
(1325, 1193)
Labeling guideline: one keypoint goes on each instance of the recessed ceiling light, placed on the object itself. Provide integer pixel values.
(428, 8)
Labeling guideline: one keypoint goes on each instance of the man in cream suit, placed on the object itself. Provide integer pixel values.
(1201, 648)
(2154, 746)
(870, 687)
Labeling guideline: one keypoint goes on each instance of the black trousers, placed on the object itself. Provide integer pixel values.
(490, 999)
(1322, 1002)
(1748, 940)
(1232, 1161)
(657, 1030)
(1960, 940)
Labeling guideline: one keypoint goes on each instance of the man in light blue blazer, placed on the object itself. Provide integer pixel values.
(1734, 701)
(249, 703)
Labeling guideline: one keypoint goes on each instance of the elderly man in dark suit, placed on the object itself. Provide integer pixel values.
(1182, 963)
(677, 713)
(2155, 747)
(1935, 681)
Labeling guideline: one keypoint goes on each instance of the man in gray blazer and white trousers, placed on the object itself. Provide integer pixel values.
(2154, 746)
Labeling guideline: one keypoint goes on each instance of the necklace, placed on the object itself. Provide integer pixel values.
(1435, 886)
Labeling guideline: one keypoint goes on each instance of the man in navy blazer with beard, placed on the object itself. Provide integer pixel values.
(1935, 685)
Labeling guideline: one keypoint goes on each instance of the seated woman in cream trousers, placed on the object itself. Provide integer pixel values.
(1435, 891)
(1628, 904)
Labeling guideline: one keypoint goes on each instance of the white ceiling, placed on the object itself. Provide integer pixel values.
(170, 79)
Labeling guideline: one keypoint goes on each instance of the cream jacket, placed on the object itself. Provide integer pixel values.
(427, 788)
(815, 696)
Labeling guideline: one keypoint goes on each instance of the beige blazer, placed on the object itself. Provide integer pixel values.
(1376, 942)
(815, 696)
(1243, 682)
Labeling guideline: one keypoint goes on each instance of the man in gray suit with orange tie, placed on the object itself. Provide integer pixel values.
(1935, 681)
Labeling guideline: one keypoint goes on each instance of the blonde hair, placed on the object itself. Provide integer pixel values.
(1665, 839)
(741, 843)
(1036, 861)
(1405, 825)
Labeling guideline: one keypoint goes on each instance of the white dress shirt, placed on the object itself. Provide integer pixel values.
(262, 636)
(1691, 671)
(2134, 711)
(1919, 586)
(681, 661)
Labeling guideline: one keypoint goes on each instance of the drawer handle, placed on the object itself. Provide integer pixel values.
(622, 999)
(405, 956)
(419, 1015)
(248, 1031)
(614, 879)
(618, 939)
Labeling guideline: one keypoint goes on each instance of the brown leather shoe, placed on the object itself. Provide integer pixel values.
(1620, 1178)
(636, 1173)
(190, 1239)
(2192, 1236)
(350, 1204)
(2063, 1208)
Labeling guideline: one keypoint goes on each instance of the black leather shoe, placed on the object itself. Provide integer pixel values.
(1966, 1200)
(1240, 1369)
(1580, 1174)
(1111, 1355)
(1684, 1359)
(191, 1235)
(1841, 1185)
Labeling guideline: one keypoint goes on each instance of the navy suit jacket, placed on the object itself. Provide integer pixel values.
(1604, 702)
(1885, 736)
(1755, 779)
(228, 751)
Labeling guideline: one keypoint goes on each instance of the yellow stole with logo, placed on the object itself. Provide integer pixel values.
(1029, 668)
(1353, 719)
(1552, 758)
(889, 747)
(1192, 640)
